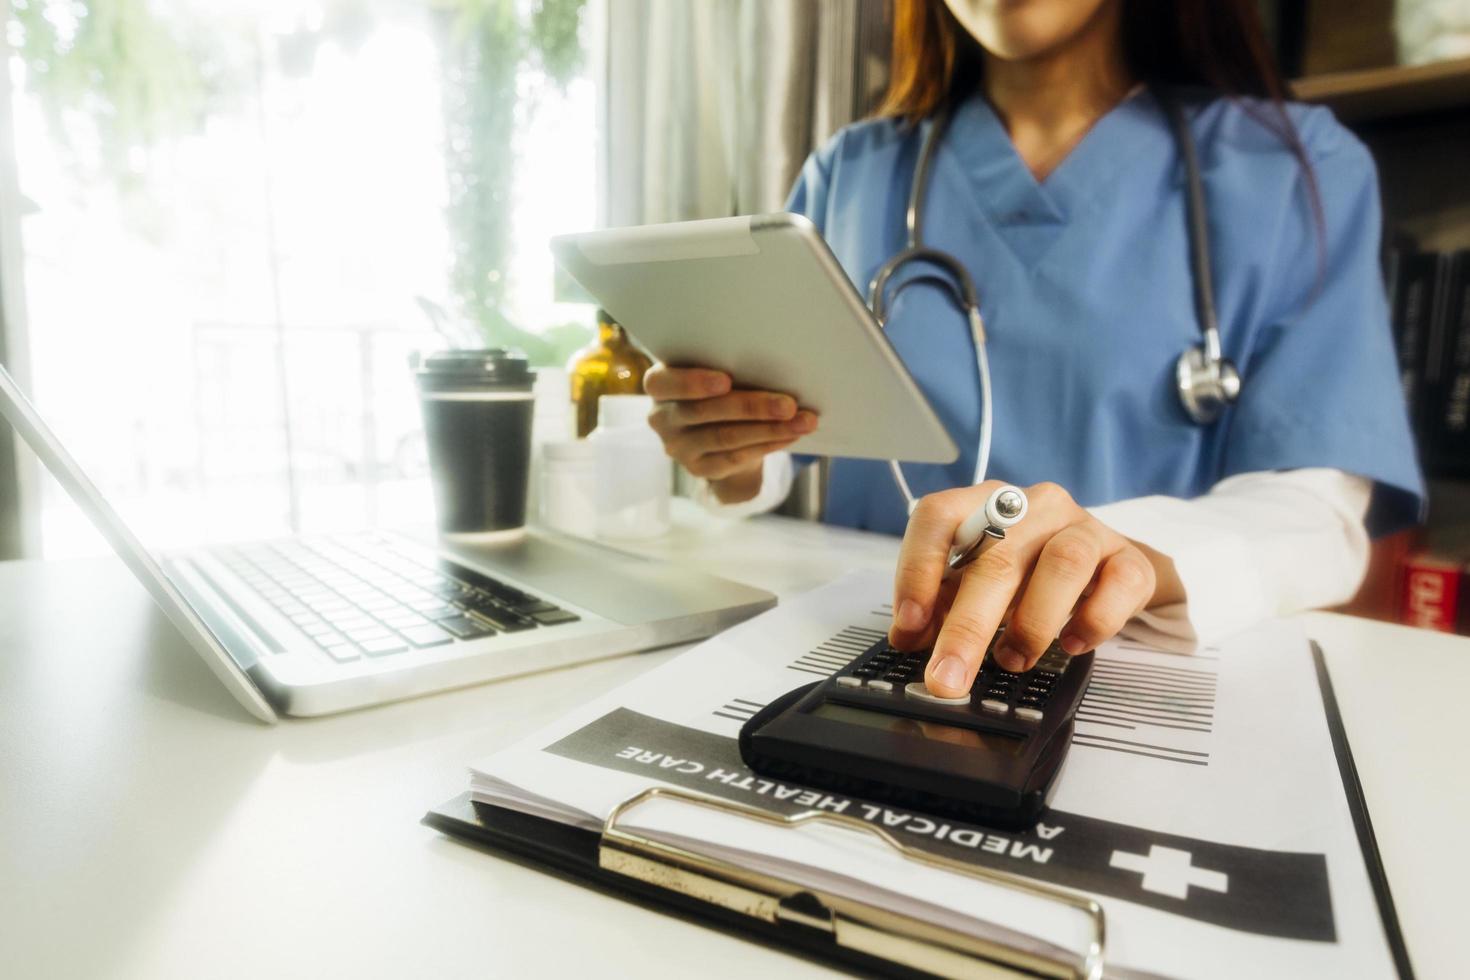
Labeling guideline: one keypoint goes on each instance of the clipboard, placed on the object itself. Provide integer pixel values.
(831, 928)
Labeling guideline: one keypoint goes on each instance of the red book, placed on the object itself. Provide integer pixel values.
(1431, 593)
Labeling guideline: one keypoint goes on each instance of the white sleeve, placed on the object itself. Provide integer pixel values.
(1257, 545)
(776, 476)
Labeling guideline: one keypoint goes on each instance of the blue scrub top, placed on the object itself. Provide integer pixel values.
(1086, 293)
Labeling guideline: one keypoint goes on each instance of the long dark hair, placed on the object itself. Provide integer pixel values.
(1214, 44)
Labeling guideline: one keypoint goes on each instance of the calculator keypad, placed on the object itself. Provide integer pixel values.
(996, 691)
(917, 690)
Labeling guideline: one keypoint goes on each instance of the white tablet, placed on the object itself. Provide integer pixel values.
(763, 299)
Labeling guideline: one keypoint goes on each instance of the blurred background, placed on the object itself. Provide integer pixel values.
(239, 218)
(226, 224)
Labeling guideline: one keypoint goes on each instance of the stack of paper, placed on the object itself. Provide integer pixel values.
(1202, 802)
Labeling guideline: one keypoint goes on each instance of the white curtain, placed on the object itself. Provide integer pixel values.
(712, 105)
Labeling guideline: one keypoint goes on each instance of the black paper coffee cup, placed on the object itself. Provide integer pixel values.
(477, 407)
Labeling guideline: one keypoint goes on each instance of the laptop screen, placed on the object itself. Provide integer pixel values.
(20, 413)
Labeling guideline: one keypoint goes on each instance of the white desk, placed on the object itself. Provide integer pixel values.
(149, 828)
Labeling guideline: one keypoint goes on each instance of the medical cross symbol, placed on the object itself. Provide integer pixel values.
(1167, 871)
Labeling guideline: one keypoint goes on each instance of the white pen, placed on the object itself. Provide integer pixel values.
(987, 525)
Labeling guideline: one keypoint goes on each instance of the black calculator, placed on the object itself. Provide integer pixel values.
(874, 731)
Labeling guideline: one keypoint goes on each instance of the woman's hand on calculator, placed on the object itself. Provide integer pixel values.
(718, 432)
(1058, 573)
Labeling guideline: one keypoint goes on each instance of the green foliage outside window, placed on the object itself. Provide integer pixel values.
(482, 43)
(139, 80)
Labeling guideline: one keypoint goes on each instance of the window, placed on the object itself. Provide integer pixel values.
(240, 219)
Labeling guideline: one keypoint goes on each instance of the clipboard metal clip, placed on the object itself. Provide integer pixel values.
(859, 926)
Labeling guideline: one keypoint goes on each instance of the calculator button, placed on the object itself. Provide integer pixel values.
(991, 704)
(849, 682)
(919, 691)
(884, 686)
(999, 692)
(901, 676)
(1028, 714)
(865, 672)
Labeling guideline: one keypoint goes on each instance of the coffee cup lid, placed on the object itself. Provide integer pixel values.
(491, 367)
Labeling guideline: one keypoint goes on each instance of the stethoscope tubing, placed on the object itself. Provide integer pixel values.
(960, 285)
(962, 289)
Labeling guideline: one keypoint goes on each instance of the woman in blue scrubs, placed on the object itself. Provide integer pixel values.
(1059, 185)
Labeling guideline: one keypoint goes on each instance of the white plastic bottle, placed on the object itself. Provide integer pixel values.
(634, 476)
(569, 487)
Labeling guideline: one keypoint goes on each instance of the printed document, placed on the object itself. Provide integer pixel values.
(1202, 802)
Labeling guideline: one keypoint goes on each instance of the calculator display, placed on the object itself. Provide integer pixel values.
(1002, 742)
(991, 756)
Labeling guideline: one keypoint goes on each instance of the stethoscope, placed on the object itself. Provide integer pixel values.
(1205, 379)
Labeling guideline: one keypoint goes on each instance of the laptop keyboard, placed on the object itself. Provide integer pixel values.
(359, 597)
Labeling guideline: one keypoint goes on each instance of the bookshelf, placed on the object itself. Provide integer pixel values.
(1416, 122)
(1359, 97)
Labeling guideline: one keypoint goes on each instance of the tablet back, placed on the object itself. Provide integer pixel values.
(763, 299)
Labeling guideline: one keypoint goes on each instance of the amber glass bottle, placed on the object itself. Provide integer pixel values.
(611, 365)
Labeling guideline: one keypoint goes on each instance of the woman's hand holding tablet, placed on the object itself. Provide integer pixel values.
(760, 299)
(719, 433)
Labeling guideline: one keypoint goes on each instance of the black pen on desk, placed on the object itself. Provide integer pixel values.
(1004, 508)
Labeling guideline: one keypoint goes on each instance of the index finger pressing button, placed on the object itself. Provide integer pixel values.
(918, 690)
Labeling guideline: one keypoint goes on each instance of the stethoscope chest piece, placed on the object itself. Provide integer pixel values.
(1206, 385)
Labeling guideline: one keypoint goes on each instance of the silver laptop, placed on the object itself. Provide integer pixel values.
(314, 625)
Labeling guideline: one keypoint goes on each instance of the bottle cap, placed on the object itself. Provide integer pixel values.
(623, 411)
